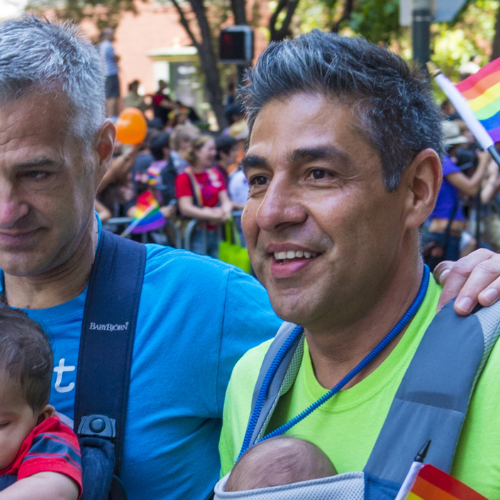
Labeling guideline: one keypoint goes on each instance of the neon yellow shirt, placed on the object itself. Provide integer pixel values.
(347, 426)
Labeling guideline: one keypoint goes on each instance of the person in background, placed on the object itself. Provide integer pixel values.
(238, 190)
(116, 188)
(230, 94)
(133, 99)
(201, 195)
(162, 104)
(233, 113)
(110, 65)
(227, 151)
(181, 141)
(162, 174)
(103, 211)
(447, 220)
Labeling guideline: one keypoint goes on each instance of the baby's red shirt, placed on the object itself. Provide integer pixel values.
(50, 447)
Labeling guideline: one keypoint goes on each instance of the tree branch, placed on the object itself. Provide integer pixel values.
(346, 15)
(185, 23)
(284, 30)
(274, 17)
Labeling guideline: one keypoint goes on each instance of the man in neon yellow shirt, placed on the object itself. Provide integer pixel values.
(343, 167)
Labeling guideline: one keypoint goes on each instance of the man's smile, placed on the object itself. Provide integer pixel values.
(289, 259)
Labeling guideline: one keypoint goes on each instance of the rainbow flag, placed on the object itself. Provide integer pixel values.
(147, 215)
(434, 484)
(154, 172)
(482, 92)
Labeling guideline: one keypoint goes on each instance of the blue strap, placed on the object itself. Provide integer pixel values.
(365, 362)
(108, 331)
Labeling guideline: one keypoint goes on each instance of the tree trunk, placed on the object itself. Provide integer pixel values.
(496, 40)
(207, 57)
(209, 63)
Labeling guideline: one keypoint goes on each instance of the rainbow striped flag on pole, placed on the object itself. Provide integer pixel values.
(434, 484)
(147, 216)
(482, 92)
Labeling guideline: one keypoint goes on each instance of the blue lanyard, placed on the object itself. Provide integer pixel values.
(298, 331)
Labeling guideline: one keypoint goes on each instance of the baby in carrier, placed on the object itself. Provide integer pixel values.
(279, 461)
(39, 455)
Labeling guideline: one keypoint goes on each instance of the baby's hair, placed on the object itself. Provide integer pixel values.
(277, 461)
(26, 355)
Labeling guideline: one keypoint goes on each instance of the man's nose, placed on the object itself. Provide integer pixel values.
(281, 206)
(12, 208)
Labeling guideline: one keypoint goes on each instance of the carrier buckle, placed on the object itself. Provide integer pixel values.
(97, 426)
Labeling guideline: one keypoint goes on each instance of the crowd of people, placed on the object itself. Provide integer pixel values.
(192, 174)
(466, 215)
(142, 371)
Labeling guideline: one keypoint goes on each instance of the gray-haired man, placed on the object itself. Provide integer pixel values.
(343, 167)
(196, 316)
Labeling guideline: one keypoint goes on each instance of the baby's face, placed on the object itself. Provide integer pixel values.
(17, 419)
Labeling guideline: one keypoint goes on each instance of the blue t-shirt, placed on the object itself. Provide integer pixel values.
(197, 317)
(448, 195)
(108, 58)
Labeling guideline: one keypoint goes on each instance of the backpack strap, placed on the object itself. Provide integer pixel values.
(107, 341)
(433, 397)
(195, 187)
(276, 388)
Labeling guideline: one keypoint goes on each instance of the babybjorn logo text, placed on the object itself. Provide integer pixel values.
(108, 327)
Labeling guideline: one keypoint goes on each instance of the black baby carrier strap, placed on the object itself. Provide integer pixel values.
(103, 376)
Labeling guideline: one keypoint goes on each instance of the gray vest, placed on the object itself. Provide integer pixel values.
(431, 403)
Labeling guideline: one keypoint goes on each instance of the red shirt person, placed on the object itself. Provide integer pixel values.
(202, 195)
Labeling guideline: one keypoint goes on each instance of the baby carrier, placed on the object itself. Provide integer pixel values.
(103, 377)
(430, 404)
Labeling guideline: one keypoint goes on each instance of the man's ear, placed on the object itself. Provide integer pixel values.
(422, 180)
(104, 145)
(46, 412)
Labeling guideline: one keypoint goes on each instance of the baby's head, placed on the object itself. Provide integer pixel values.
(278, 461)
(25, 378)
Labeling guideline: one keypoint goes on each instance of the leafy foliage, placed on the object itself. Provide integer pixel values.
(376, 20)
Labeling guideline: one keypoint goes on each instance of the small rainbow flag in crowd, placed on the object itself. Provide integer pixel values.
(154, 174)
(482, 92)
(147, 215)
(434, 484)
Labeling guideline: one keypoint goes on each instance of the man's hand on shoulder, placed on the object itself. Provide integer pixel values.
(472, 279)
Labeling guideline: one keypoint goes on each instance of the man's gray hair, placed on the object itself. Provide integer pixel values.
(392, 102)
(39, 56)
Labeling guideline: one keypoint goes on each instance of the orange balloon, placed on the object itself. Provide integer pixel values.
(131, 126)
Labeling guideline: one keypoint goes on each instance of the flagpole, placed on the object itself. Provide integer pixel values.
(417, 464)
(464, 110)
(135, 223)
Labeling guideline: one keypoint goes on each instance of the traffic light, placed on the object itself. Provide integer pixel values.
(236, 45)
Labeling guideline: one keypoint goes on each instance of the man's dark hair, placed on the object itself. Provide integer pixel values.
(158, 144)
(393, 104)
(26, 356)
(224, 144)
